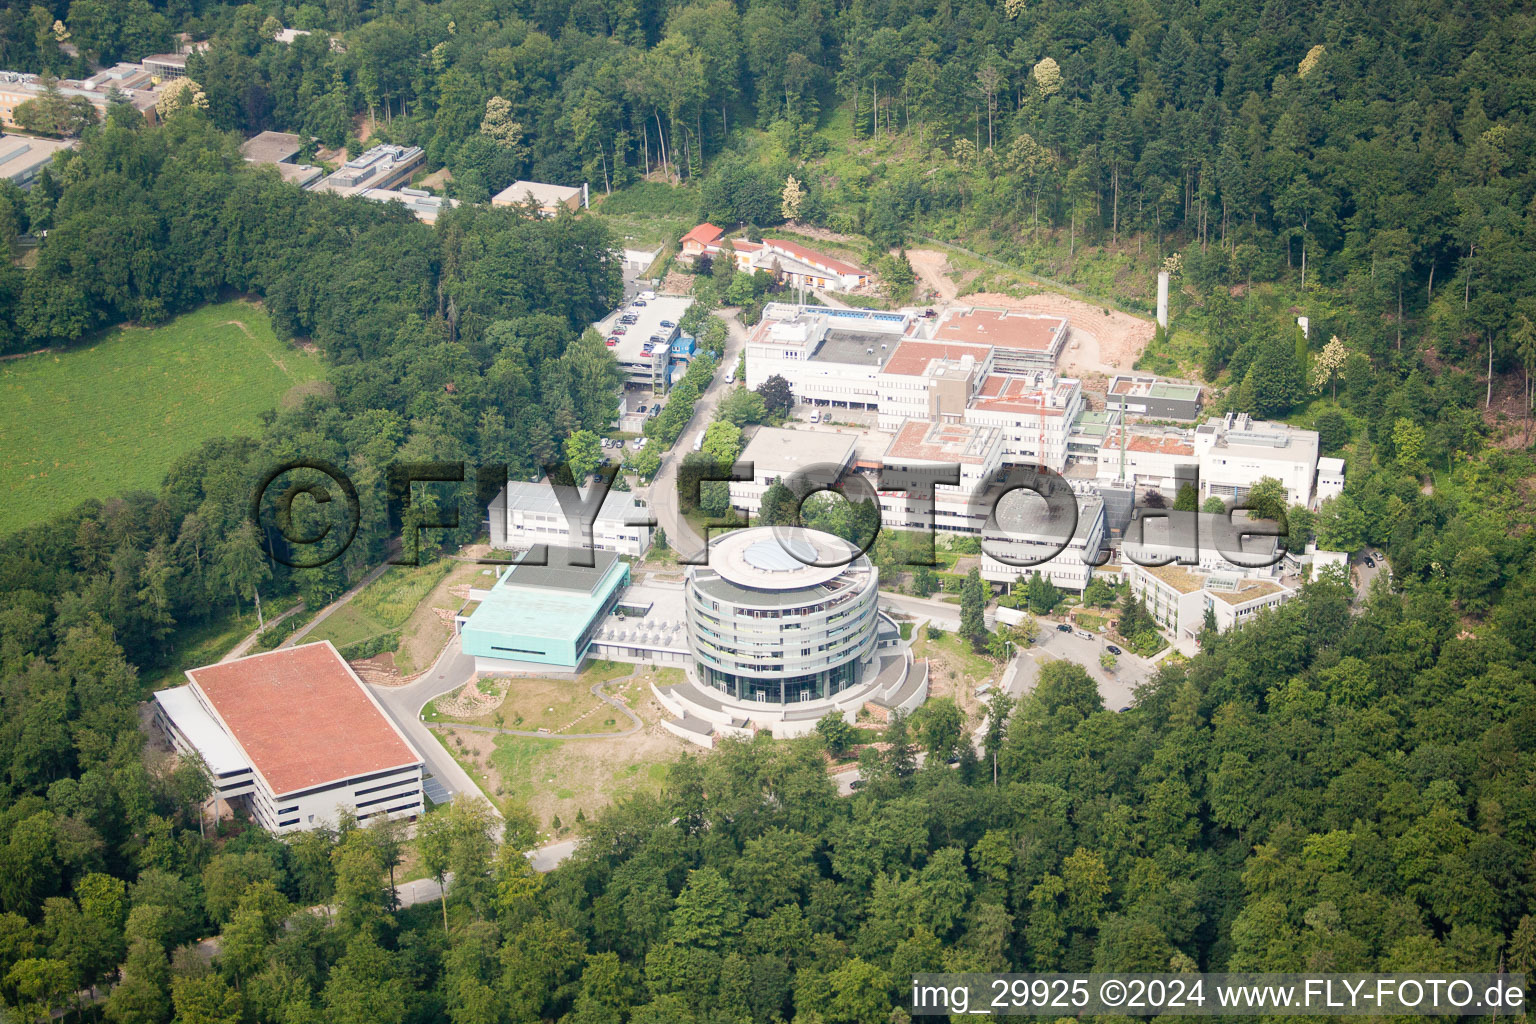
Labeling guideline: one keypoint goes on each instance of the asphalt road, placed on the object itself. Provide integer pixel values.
(661, 495)
(1117, 687)
(1365, 575)
(452, 669)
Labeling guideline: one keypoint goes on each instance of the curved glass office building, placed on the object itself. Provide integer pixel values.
(781, 615)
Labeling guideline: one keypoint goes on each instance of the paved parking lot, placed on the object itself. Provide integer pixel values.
(864, 418)
(1115, 687)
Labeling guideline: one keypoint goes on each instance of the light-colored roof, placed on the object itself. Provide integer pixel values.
(542, 193)
(202, 730)
(1023, 514)
(1330, 465)
(1009, 329)
(302, 175)
(423, 204)
(302, 717)
(540, 498)
(775, 451)
(555, 600)
(780, 558)
(1153, 387)
(20, 154)
(271, 147)
(919, 440)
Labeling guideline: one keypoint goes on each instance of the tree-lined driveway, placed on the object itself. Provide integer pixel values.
(661, 494)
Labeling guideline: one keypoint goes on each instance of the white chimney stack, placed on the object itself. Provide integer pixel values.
(1162, 299)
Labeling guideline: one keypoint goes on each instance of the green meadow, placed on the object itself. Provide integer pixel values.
(112, 415)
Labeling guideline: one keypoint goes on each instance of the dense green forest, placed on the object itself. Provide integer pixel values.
(1329, 788)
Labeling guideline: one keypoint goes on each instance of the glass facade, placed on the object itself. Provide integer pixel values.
(783, 650)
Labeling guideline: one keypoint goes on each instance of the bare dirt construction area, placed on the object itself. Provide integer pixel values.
(676, 283)
(1101, 342)
(955, 671)
(932, 269)
(556, 778)
(429, 628)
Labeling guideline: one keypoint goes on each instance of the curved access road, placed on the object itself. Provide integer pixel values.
(452, 669)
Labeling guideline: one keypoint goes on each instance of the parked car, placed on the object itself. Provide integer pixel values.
(730, 376)
(613, 342)
(1112, 649)
(1085, 634)
(1062, 627)
(668, 323)
(1370, 563)
(856, 784)
(621, 329)
(639, 443)
(816, 416)
(638, 302)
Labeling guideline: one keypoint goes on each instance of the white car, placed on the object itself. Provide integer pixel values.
(730, 376)
(816, 416)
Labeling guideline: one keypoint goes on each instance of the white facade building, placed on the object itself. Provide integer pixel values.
(923, 446)
(1178, 597)
(777, 453)
(526, 514)
(1023, 530)
(828, 356)
(784, 628)
(294, 736)
(1148, 459)
(1034, 412)
(1209, 542)
(1239, 451)
(1231, 455)
(1330, 479)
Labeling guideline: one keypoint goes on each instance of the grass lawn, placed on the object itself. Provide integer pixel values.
(563, 777)
(645, 230)
(1097, 623)
(959, 652)
(204, 643)
(383, 605)
(553, 704)
(114, 414)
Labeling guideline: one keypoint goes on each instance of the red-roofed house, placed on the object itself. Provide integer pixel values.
(789, 261)
(799, 265)
(702, 240)
(295, 736)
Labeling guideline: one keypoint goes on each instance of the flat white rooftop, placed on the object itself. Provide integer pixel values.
(202, 730)
(775, 451)
(779, 557)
